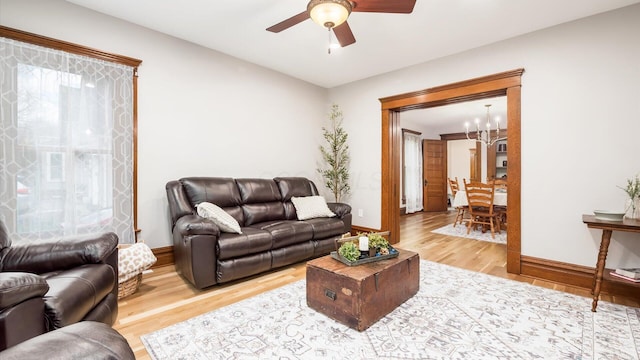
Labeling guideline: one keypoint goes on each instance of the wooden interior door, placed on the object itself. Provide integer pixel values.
(474, 172)
(434, 162)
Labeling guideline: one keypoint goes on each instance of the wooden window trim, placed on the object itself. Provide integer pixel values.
(51, 43)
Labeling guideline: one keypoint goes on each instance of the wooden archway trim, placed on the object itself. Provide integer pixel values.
(506, 83)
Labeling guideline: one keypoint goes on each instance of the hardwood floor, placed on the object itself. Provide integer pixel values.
(164, 298)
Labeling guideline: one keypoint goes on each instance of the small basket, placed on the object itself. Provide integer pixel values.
(130, 286)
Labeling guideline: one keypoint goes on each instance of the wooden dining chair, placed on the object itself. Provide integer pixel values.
(501, 186)
(481, 211)
(461, 210)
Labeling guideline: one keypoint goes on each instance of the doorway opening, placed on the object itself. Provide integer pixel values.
(502, 84)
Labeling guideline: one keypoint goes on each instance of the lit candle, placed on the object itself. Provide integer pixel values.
(466, 124)
(498, 123)
(363, 243)
(477, 124)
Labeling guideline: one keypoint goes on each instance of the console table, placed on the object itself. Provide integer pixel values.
(607, 228)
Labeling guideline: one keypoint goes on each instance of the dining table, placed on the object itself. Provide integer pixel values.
(499, 198)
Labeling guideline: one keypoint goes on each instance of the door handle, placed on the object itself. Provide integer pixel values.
(426, 182)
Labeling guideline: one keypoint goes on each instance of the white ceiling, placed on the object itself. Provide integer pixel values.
(384, 42)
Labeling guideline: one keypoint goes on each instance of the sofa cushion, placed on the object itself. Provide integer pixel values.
(251, 241)
(258, 190)
(295, 186)
(73, 293)
(219, 217)
(261, 201)
(286, 232)
(310, 207)
(220, 191)
(259, 213)
(326, 227)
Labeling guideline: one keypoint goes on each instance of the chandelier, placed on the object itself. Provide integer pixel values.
(484, 135)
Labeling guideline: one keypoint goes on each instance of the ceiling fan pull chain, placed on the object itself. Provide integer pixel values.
(329, 48)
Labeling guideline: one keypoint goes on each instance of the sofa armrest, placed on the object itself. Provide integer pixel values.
(83, 340)
(340, 209)
(195, 240)
(61, 254)
(196, 225)
(16, 287)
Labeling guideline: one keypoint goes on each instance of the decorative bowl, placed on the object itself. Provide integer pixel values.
(608, 215)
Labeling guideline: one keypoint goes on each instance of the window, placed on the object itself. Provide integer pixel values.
(55, 166)
(67, 125)
(412, 171)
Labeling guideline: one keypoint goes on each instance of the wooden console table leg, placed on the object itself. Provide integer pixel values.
(602, 259)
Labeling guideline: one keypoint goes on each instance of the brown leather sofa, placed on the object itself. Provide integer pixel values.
(49, 284)
(272, 236)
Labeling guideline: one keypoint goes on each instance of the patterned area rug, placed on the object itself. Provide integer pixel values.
(461, 231)
(457, 314)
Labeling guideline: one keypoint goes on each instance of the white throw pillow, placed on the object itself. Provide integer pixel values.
(310, 207)
(220, 217)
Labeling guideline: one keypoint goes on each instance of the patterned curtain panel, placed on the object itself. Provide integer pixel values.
(66, 144)
(413, 172)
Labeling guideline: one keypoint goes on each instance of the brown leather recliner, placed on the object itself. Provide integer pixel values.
(50, 284)
(83, 340)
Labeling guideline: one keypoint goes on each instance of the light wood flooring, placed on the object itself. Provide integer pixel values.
(164, 298)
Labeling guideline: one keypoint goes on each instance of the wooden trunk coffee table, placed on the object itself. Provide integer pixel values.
(358, 296)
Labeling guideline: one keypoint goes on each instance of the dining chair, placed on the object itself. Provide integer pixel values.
(501, 186)
(461, 210)
(481, 211)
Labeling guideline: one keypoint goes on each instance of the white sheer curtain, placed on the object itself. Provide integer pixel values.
(413, 172)
(66, 135)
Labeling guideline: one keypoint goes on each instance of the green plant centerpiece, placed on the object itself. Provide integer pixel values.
(379, 242)
(349, 250)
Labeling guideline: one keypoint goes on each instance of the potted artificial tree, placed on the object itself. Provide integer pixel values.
(335, 171)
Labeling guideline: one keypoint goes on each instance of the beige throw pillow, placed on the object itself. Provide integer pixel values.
(309, 207)
(220, 217)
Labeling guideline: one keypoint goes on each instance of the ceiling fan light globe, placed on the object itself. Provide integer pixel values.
(329, 13)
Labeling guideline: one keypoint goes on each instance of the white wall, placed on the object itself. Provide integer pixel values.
(580, 126)
(458, 160)
(201, 113)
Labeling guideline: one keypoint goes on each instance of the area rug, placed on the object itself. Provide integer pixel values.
(456, 314)
(461, 231)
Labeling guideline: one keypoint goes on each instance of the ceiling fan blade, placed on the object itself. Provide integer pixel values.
(285, 24)
(384, 6)
(344, 35)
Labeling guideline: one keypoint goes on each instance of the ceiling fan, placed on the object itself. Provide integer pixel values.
(333, 14)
